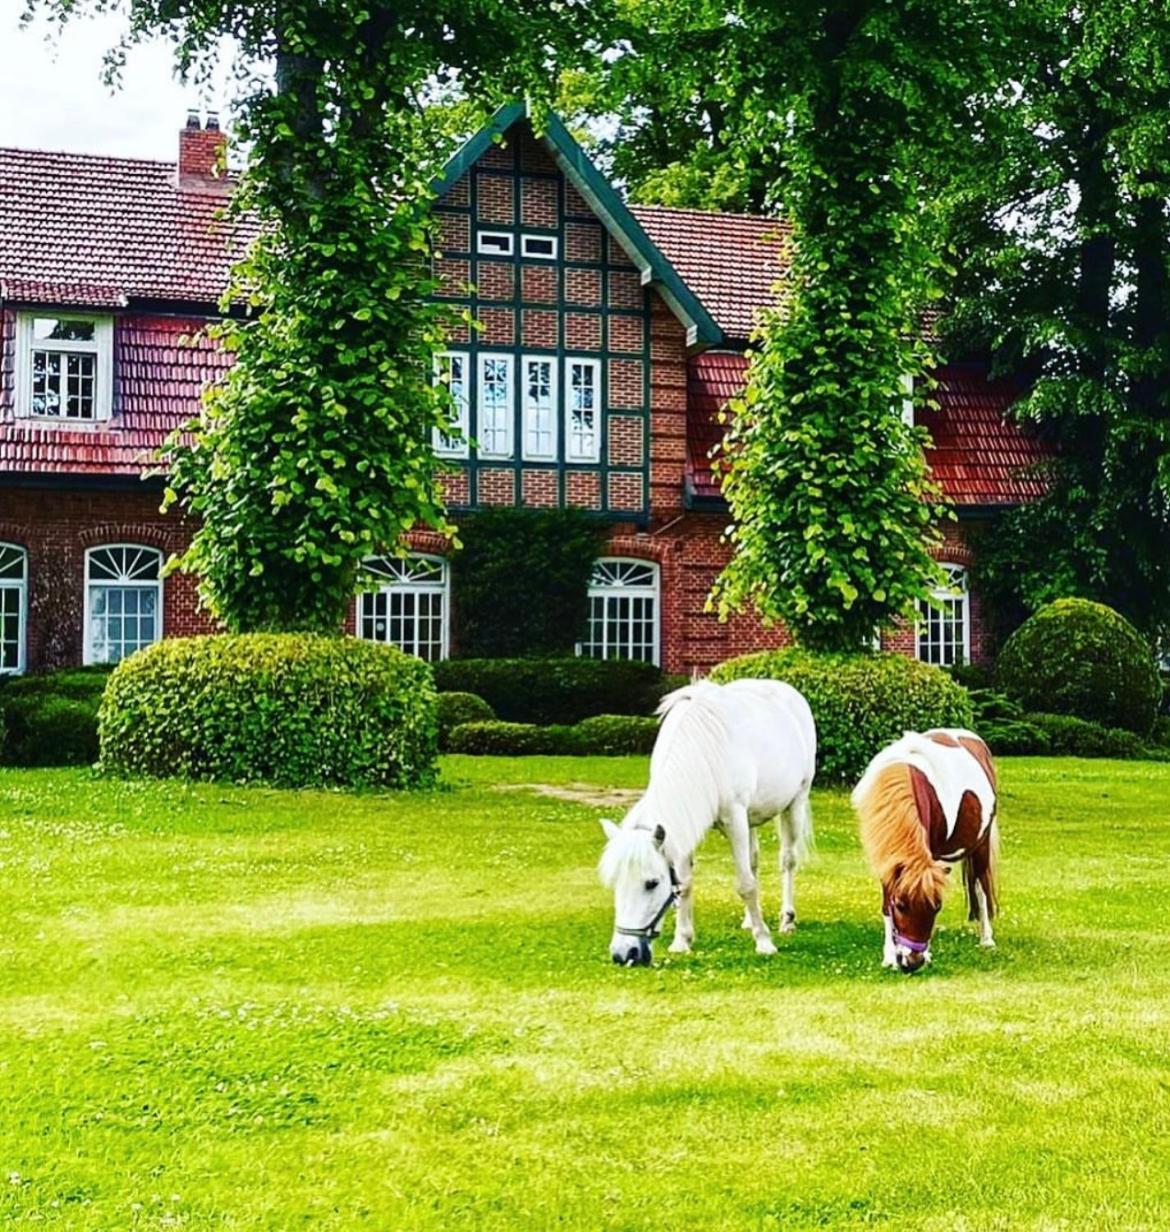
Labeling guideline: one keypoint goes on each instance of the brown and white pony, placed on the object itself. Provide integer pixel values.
(925, 802)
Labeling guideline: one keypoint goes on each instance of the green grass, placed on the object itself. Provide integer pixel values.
(240, 1009)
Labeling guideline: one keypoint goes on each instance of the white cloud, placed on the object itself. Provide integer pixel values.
(52, 96)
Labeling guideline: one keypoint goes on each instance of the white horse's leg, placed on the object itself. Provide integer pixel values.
(790, 825)
(986, 938)
(684, 916)
(755, 837)
(889, 951)
(740, 836)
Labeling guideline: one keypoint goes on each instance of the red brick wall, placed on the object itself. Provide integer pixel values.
(56, 527)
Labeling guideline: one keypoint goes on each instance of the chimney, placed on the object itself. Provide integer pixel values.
(200, 153)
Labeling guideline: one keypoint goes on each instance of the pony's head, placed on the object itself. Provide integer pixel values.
(913, 894)
(643, 882)
(912, 880)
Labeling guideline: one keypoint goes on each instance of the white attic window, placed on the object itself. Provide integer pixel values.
(494, 243)
(64, 371)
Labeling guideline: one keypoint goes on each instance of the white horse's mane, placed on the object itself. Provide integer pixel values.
(687, 771)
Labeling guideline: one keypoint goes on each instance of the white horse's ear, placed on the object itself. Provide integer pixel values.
(659, 837)
(611, 831)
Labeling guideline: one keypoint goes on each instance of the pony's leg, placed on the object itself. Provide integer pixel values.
(889, 951)
(986, 939)
(684, 916)
(740, 836)
(755, 837)
(980, 872)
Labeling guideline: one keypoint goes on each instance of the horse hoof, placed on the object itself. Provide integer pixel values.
(765, 945)
(679, 947)
(987, 945)
(889, 963)
(788, 922)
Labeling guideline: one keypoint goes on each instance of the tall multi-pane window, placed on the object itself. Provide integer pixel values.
(539, 388)
(451, 370)
(494, 430)
(410, 607)
(623, 611)
(13, 604)
(64, 367)
(582, 410)
(944, 626)
(123, 601)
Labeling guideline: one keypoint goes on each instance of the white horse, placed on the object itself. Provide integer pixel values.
(730, 756)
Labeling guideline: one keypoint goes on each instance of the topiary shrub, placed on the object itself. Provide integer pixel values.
(455, 709)
(1083, 659)
(554, 690)
(614, 734)
(288, 709)
(498, 739)
(860, 702)
(1069, 736)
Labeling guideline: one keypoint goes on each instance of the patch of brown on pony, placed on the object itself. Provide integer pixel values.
(894, 839)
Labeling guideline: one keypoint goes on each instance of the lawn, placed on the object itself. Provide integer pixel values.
(224, 1008)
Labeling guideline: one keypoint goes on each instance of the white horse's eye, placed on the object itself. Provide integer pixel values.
(652, 884)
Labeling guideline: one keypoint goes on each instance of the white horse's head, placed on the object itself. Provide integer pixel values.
(643, 882)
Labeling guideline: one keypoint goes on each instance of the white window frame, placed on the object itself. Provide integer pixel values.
(395, 572)
(444, 445)
(509, 427)
(572, 454)
(88, 655)
(528, 409)
(525, 241)
(102, 347)
(19, 587)
(957, 591)
(508, 249)
(607, 590)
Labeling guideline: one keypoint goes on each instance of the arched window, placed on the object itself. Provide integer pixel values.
(944, 631)
(410, 608)
(13, 605)
(123, 601)
(623, 611)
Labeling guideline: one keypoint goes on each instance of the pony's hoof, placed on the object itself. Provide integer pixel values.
(765, 945)
(788, 922)
(679, 947)
(988, 944)
(889, 962)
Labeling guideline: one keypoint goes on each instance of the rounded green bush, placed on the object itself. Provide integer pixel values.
(1083, 659)
(860, 702)
(455, 709)
(288, 709)
(615, 734)
(48, 729)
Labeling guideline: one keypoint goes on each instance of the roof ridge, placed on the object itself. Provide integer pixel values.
(690, 209)
(89, 157)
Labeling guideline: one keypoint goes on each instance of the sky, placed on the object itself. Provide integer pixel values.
(52, 96)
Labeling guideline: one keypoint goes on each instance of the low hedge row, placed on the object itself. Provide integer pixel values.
(860, 702)
(604, 734)
(293, 710)
(52, 719)
(554, 691)
(455, 709)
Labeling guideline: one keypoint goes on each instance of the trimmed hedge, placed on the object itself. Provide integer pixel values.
(1079, 658)
(1068, 736)
(52, 720)
(554, 690)
(455, 709)
(292, 710)
(860, 702)
(602, 735)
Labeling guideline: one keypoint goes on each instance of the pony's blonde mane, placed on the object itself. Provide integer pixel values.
(893, 837)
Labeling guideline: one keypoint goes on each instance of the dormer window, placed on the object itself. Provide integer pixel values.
(65, 370)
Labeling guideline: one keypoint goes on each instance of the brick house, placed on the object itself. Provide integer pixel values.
(611, 336)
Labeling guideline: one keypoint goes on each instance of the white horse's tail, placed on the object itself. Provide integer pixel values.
(688, 693)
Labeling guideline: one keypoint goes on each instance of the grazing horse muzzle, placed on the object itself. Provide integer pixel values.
(910, 955)
(630, 951)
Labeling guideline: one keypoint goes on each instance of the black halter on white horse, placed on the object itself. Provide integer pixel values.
(654, 929)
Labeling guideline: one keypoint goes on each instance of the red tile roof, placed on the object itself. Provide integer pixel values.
(161, 364)
(980, 456)
(730, 261)
(93, 231)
